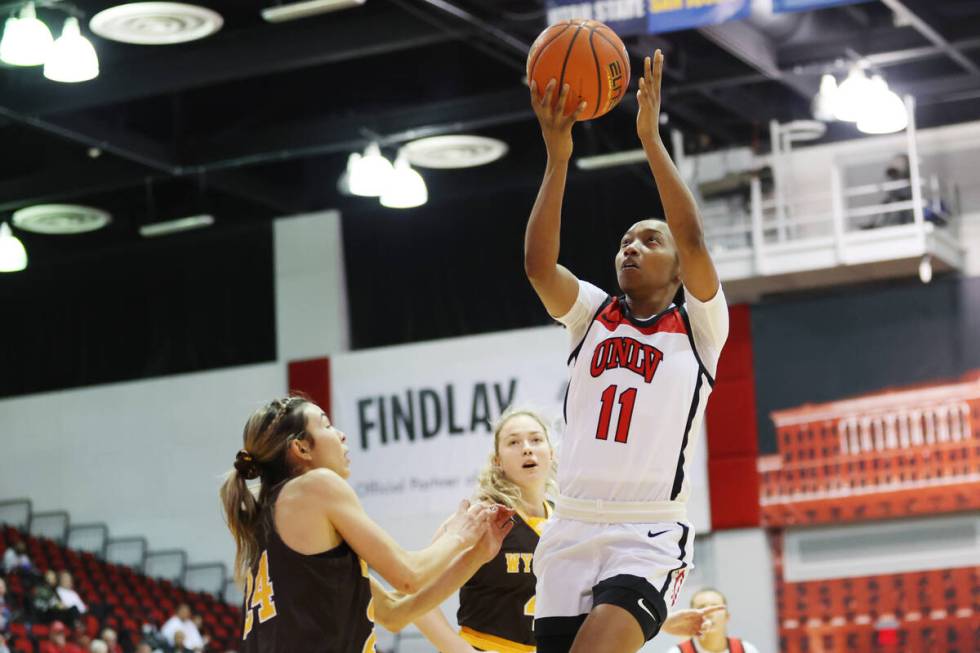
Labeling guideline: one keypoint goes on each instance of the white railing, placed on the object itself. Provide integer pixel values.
(835, 215)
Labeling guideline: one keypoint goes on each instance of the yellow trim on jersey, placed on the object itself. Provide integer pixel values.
(536, 523)
(492, 643)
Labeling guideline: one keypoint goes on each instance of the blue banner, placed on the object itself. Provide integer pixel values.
(673, 15)
(625, 17)
(787, 6)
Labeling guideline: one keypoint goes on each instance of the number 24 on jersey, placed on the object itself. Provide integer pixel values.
(259, 594)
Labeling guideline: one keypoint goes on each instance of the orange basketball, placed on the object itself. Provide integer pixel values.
(586, 55)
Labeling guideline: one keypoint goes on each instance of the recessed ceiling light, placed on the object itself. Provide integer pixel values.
(458, 151)
(60, 219)
(156, 23)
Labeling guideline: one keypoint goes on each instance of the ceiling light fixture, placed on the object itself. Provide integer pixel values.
(825, 100)
(406, 188)
(883, 112)
(851, 96)
(72, 57)
(297, 10)
(13, 256)
(368, 173)
(925, 269)
(26, 40)
(174, 226)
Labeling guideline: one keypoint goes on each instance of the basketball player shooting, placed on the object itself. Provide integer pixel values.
(611, 563)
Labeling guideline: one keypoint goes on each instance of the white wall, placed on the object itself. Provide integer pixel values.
(311, 294)
(144, 457)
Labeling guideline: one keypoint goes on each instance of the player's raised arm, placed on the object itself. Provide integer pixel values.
(555, 285)
(697, 269)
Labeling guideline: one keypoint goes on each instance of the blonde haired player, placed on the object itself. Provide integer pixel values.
(496, 605)
(611, 562)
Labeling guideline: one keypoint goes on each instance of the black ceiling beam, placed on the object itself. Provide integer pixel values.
(927, 25)
(939, 87)
(349, 133)
(64, 183)
(755, 49)
(262, 51)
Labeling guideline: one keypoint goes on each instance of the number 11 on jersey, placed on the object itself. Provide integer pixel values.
(626, 401)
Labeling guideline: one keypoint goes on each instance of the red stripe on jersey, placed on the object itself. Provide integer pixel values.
(613, 316)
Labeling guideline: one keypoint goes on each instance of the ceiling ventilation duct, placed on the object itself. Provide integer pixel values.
(60, 219)
(155, 23)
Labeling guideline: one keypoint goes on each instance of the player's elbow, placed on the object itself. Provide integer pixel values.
(391, 618)
(536, 268)
(406, 580)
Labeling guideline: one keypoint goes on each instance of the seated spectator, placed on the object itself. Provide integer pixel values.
(4, 608)
(15, 558)
(45, 605)
(205, 637)
(98, 646)
(67, 595)
(179, 646)
(81, 638)
(111, 640)
(57, 641)
(3, 645)
(182, 622)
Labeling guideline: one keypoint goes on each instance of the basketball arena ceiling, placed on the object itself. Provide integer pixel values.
(258, 119)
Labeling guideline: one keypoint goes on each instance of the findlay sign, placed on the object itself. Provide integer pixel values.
(418, 417)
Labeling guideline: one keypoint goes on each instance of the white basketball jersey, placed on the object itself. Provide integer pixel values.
(636, 396)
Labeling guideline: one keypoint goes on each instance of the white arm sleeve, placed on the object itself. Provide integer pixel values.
(749, 648)
(578, 317)
(709, 323)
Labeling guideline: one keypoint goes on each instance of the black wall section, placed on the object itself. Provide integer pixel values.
(175, 304)
(824, 348)
(456, 268)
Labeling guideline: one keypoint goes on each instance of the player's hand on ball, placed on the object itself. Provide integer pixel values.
(556, 128)
(690, 623)
(648, 97)
(501, 523)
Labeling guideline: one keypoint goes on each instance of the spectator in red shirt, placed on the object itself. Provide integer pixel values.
(57, 641)
(111, 640)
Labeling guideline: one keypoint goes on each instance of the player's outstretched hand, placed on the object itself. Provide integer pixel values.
(468, 523)
(690, 623)
(556, 127)
(648, 97)
(501, 521)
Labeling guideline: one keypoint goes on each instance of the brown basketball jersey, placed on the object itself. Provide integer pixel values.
(297, 603)
(496, 605)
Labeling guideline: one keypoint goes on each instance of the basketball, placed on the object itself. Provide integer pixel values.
(586, 55)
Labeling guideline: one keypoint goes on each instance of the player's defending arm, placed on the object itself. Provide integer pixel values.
(395, 610)
(555, 285)
(697, 270)
(407, 571)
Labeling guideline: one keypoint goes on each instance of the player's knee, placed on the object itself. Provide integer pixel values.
(636, 596)
(556, 634)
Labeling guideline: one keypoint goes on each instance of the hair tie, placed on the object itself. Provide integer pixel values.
(246, 466)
